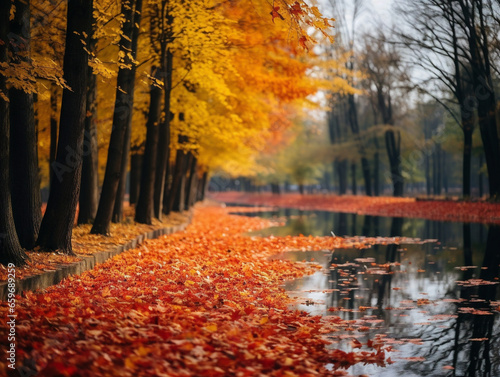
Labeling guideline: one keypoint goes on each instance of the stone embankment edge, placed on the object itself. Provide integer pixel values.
(49, 278)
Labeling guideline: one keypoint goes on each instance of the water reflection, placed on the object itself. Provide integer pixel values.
(437, 302)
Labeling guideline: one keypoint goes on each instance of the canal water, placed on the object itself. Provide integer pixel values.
(436, 302)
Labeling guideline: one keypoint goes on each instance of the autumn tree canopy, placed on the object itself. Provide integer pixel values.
(173, 89)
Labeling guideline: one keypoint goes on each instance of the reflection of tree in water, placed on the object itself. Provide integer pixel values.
(446, 339)
(384, 283)
(471, 344)
(299, 225)
(475, 315)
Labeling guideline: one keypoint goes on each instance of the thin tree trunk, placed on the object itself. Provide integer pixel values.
(365, 166)
(203, 186)
(89, 190)
(483, 84)
(53, 129)
(144, 207)
(57, 224)
(466, 165)
(353, 177)
(178, 182)
(120, 192)
(164, 137)
(10, 248)
(135, 175)
(24, 178)
(121, 118)
(166, 188)
(120, 195)
(190, 181)
(376, 170)
(393, 146)
(342, 176)
(444, 172)
(480, 176)
(427, 174)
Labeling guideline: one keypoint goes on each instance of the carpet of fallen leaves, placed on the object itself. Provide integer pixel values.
(440, 210)
(203, 302)
(85, 244)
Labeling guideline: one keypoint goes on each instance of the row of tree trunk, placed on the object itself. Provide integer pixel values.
(73, 154)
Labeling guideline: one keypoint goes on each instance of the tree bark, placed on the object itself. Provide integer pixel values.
(342, 176)
(120, 192)
(53, 129)
(203, 183)
(10, 248)
(484, 90)
(121, 118)
(120, 195)
(393, 146)
(466, 164)
(135, 175)
(24, 178)
(190, 181)
(480, 176)
(376, 170)
(144, 207)
(365, 166)
(179, 180)
(161, 179)
(353, 177)
(57, 224)
(89, 189)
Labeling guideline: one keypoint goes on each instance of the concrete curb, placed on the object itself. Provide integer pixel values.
(49, 278)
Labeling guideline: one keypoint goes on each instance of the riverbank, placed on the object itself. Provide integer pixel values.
(122, 236)
(439, 210)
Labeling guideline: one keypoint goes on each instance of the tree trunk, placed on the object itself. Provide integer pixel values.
(120, 192)
(135, 176)
(437, 179)
(275, 188)
(480, 176)
(10, 248)
(121, 119)
(204, 185)
(365, 166)
(393, 146)
(200, 188)
(166, 188)
(376, 173)
(489, 135)
(484, 90)
(120, 195)
(179, 179)
(444, 172)
(24, 178)
(144, 207)
(57, 224)
(341, 167)
(353, 177)
(190, 181)
(53, 129)
(89, 190)
(161, 179)
(427, 173)
(466, 165)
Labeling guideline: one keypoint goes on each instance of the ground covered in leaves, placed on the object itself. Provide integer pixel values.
(439, 210)
(203, 302)
(85, 244)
